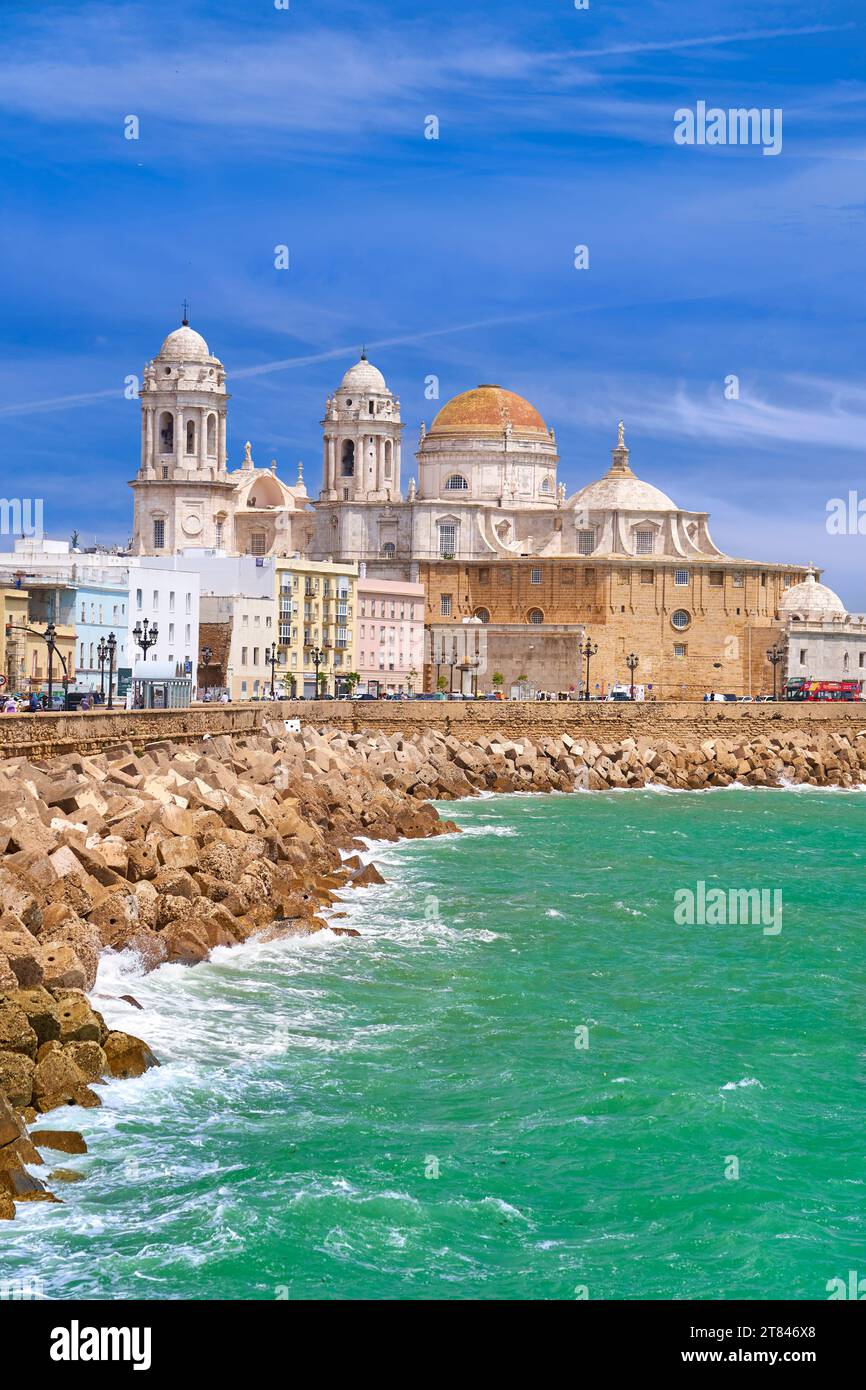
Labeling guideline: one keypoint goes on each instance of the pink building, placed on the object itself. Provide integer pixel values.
(390, 635)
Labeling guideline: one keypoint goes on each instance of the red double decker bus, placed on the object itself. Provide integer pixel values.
(802, 689)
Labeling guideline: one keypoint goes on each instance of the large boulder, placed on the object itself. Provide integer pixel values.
(16, 1034)
(78, 1021)
(186, 943)
(57, 1080)
(127, 1056)
(63, 969)
(89, 1058)
(24, 954)
(40, 1009)
(16, 1078)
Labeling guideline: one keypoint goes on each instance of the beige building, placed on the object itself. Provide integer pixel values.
(13, 639)
(316, 610)
(239, 632)
(390, 635)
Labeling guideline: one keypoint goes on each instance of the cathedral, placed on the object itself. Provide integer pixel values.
(483, 523)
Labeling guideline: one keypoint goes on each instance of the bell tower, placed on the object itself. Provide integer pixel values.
(182, 488)
(362, 449)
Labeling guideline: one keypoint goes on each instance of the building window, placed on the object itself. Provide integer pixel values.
(166, 433)
(389, 550)
(585, 542)
(717, 579)
(159, 534)
(171, 632)
(535, 576)
(680, 619)
(445, 605)
(138, 598)
(456, 483)
(447, 540)
(258, 543)
(347, 462)
(505, 575)
(155, 599)
(644, 542)
(484, 576)
(211, 435)
(535, 615)
(737, 579)
(804, 652)
(680, 648)
(589, 576)
(190, 436)
(243, 656)
(483, 615)
(681, 578)
(568, 576)
(255, 656)
(545, 485)
(218, 535)
(189, 603)
(646, 576)
(845, 662)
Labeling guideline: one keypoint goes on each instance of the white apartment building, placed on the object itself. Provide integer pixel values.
(390, 635)
(165, 594)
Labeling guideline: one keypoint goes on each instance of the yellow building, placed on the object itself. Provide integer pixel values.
(316, 609)
(13, 638)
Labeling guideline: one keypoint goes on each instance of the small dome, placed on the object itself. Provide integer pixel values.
(363, 378)
(810, 598)
(486, 410)
(185, 345)
(622, 492)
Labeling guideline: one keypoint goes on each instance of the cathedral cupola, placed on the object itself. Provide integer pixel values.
(362, 429)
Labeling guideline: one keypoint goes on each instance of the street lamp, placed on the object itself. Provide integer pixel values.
(588, 651)
(145, 637)
(102, 654)
(317, 656)
(632, 662)
(111, 644)
(774, 656)
(272, 657)
(49, 638)
(206, 655)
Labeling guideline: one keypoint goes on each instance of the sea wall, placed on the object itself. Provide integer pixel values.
(46, 735)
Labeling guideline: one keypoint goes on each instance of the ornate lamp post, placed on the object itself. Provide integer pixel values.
(145, 637)
(272, 657)
(49, 639)
(317, 656)
(111, 645)
(774, 656)
(632, 662)
(206, 655)
(102, 654)
(587, 651)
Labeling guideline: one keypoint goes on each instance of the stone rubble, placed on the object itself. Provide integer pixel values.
(175, 849)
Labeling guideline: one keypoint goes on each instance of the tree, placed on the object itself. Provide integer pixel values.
(498, 679)
(290, 685)
(442, 683)
(322, 682)
(350, 680)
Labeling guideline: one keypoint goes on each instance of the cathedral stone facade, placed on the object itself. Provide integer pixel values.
(484, 524)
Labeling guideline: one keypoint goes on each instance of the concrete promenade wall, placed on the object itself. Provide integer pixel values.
(41, 735)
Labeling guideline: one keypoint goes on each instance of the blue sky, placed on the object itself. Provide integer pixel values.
(452, 257)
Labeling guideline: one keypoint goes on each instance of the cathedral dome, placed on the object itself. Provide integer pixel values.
(622, 492)
(488, 410)
(185, 345)
(810, 599)
(363, 378)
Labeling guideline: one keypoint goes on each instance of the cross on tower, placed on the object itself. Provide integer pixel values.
(186, 313)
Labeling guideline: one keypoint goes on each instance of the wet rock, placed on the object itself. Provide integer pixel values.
(67, 1141)
(127, 1056)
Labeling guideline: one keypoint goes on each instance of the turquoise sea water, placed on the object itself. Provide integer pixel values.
(408, 1115)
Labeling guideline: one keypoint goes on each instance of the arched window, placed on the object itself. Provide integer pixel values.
(166, 432)
(211, 436)
(388, 452)
(845, 662)
(545, 485)
(535, 615)
(680, 619)
(482, 614)
(347, 469)
(389, 550)
(190, 436)
(456, 483)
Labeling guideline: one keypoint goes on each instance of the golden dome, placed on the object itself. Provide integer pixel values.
(488, 410)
